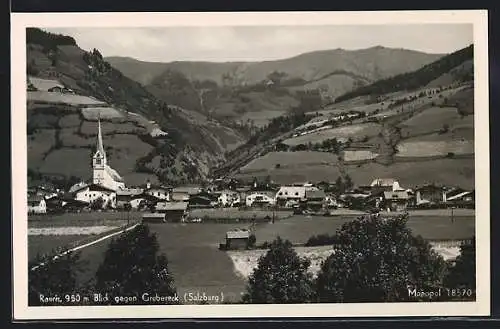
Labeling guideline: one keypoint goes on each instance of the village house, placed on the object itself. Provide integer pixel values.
(128, 196)
(203, 201)
(37, 205)
(174, 211)
(396, 200)
(290, 194)
(459, 197)
(159, 192)
(380, 185)
(228, 198)
(183, 193)
(260, 199)
(93, 192)
(315, 200)
(430, 194)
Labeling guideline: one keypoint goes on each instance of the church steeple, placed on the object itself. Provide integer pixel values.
(100, 154)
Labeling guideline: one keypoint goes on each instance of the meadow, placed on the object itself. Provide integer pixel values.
(59, 98)
(434, 148)
(413, 173)
(289, 160)
(340, 133)
(434, 119)
(358, 155)
(93, 113)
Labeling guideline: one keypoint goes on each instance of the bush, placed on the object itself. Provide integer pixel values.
(321, 240)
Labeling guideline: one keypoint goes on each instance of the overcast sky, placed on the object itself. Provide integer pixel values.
(220, 44)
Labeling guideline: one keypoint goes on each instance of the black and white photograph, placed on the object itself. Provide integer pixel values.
(208, 164)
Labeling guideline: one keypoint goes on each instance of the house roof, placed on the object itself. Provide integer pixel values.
(187, 189)
(383, 182)
(129, 192)
(238, 234)
(171, 206)
(315, 194)
(402, 195)
(459, 195)
(77, 187)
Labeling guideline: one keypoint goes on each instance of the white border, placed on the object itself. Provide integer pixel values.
(19, 21)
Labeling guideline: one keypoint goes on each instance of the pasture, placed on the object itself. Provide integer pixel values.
(293, 173)
(44, 84)
(235, 214)
(434, 148)
(432, 120)
(93, 113)
(340, 133)
(289, 160)
(358, 155)
(453, 172)
(59, 98)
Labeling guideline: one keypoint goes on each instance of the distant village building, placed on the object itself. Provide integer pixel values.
(228, 198)
(259, 199)
(290, 193)
(396, 200)
(37, 205)
(91, 193)
(430, 195)
(174, 211)
(315, 200)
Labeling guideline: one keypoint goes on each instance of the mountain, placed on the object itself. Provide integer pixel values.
(241, 91)
(371, 64)
(455, 65)
(62, 127)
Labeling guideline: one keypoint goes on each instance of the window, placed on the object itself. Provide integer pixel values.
(286, 193)
(98, 161)
(296, 193)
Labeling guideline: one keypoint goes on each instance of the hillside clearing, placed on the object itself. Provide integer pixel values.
(358, 155)
(340, 133)
(434, 148)
(59, 98)
(451, 172)
(289, 160)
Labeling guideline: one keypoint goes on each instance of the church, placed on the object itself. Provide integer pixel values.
(106, 181)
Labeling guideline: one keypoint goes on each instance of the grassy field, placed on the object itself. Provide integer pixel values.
(39, 143)
(56, 162)
(434, 148)
(70, 120)
(341, 133)
(93, 113)
(442, 171)
(59, 98)
(290, 160)
(358, 155)
(433, 119)
(295, 174)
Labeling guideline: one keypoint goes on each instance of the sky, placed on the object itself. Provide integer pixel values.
(258, 43)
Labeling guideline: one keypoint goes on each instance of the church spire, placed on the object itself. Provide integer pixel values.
(100, 146)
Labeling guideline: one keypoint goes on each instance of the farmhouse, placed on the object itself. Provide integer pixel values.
(174, 211)
(380, 185)
(396, 201)
(290, 193)
(36, 205)
(93, 192)
(429, 195)
(315, 200)
(127, 196)
(237, 239)
(260, 199)
(202, 201)
(228, 198)
(159, 192)
(460, 198)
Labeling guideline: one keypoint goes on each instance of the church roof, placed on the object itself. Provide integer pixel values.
(114, 174)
